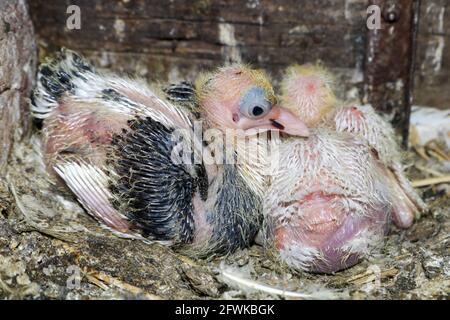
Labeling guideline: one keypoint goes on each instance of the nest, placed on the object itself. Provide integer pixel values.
(50, 248)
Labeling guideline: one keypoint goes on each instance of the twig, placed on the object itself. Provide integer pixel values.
(428, 170)
(438, 155)
(96, 276)
(430, 181)
(421, 152)
(101, 279)
(437, 152)
(366, 277)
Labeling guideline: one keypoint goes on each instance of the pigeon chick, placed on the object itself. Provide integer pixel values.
(327, 205)
(136, 162)
(308, 92)
(332, 196)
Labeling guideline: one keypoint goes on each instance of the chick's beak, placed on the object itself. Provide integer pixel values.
(278, 119)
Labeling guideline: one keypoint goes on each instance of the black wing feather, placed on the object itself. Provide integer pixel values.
(157, 191)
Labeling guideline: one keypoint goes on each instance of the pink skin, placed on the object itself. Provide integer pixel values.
(333, 256)
(324, 224)
(336, 212)
(306, 93)
(81, 127)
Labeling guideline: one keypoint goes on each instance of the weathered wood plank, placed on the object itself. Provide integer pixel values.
(435, 17)
(266, 33)
(432, 76)
(233, 11)
(159, 36)
(17, 66)
(390, 62)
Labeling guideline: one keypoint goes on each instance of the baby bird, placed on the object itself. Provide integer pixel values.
(327, 205)
(308, 92)
(332, 195)
(131, 156)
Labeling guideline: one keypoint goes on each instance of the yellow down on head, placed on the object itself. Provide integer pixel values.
(308, 91)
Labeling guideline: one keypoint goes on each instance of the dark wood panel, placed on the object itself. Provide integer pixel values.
(168, 39)
(432, 76)
(265, 33)
(390, 65)
(166, 20)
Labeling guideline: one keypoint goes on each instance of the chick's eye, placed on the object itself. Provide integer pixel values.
(254, 103)
(257, 111)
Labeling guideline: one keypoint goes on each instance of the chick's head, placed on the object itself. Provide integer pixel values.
(307, 91)
(240, 98)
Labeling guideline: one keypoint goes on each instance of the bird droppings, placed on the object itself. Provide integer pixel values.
(37, 253)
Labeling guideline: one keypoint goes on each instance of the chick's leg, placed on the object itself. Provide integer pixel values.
(406, 202)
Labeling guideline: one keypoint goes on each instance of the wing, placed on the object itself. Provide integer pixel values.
(154, 186)
(90, 186)
(363, 121)
(69, 77)
(90, 117)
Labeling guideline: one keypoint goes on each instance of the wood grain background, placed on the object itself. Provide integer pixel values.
(173, 39)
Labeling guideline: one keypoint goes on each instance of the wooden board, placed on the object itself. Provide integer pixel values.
(173, 40)
(432, 80)
(169, 40)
